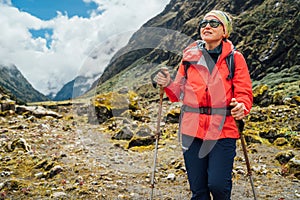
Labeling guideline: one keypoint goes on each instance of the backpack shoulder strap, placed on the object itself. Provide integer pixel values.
(230, 64)
(186, 65)
(200, 45)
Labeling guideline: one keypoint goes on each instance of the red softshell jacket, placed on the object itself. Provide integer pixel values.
(215, 90)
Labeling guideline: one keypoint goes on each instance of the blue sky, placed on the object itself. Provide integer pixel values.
(47, 9)
(49, 41)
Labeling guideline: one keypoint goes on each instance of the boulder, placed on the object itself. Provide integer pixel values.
(7, 105)
(18, 144)
(296, 100)
(285, 156)
(294, 166)
(143, 136)
(125, 133)
(141, 141)
(261, 96)
(37, 111)
(281, 141)
(112, 104)
(295, 141)
(173, 116)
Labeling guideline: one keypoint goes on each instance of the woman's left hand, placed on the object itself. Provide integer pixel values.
(238, 109)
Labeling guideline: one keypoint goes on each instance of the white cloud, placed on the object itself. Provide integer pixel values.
(47, 69)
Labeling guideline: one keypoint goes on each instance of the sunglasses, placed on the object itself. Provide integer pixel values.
(213, 23)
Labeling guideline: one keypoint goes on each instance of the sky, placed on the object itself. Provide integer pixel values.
(49, 41)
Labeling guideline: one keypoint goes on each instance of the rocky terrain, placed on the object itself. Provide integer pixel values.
(59, 152)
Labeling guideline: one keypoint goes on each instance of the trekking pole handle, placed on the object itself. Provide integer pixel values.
(153, 76)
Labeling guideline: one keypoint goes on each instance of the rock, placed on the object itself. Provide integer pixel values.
(171, 177)
(176, 164)
(39, 175)
(294, 165)
(59, 195)
(12, 184)
(260, 169)
(7, 105)
(20, 143)
(137, 115)
(271, 134)
(251, 139)
(278, 98)
(112, 104)
(31, 119)
(54, 171)
(296, 100)
(141, 141)
(124, 134)
(143, 131)
(239, 170)
(2, 185)
(99, 114)
(257, 117)
(112, 126)
(143, 136)
(285, 156)
(295, 141)
(41, 164)
(5, 173)
(261, 96)
(36, 111)
(281, 141)
(173, 116)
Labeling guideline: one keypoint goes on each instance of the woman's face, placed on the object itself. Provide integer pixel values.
(212, 31)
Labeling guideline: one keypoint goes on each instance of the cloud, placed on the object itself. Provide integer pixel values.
(51, 61)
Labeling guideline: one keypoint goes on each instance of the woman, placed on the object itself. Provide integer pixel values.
(212, 101)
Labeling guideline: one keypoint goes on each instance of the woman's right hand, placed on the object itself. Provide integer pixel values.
(163, 77)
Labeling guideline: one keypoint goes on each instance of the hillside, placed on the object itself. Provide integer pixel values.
(12, 80)
(264, 31)
(74, 88)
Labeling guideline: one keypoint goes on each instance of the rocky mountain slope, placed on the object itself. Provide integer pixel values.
(265, 31)
(74, 88)
(12, 80)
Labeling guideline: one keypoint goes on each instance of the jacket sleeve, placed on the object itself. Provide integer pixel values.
(173, 90)
(242, 85)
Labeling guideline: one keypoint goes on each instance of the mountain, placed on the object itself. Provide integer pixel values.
(265, 31)
(12, 80)
(75, 88)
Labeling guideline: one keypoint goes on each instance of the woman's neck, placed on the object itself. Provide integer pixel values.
(212, 45)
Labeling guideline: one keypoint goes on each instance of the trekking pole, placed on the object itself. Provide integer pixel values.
(241, 124)
(157, 135)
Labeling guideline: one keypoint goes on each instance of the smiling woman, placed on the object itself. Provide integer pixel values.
(47, 9)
